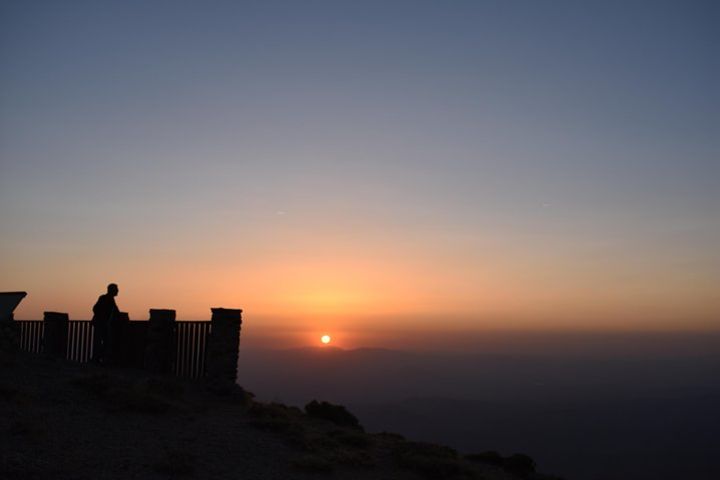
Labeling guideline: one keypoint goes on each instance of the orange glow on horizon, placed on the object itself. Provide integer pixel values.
(373, 286)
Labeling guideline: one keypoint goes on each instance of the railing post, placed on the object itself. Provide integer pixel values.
(160, 345)
(223, 344)
(55, 337)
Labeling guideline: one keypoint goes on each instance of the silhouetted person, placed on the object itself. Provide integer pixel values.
(104, 312)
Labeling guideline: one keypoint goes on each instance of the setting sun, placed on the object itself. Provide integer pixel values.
(325, 339)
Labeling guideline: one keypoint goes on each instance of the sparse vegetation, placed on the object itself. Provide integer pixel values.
(352, 438)
(8, 393)
(271, 425)
(25, 466)
(231, 391)
(336, 414)
(389, 436)
(311, 463)
(166, 387)
(325, 439)
(518, 464)
(148, 395)
(490, 457)
(430, 460)
(27, 427)
(176, 463)
(137, 399)
(97, 384)
(273, 410)
(354, 459)
(279, 418)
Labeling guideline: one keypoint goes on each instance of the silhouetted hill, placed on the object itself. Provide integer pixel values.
(648, 415)
(70, 421)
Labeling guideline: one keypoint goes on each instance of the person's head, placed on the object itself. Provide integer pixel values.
(113, 289)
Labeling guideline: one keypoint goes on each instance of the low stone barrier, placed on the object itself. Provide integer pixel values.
(55, 337)
(209, 349)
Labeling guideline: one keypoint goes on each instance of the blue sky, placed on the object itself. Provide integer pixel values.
(551, 133)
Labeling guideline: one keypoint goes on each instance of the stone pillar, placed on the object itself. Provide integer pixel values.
(160, 345)
(118, 342)
(223, 345)
(55, 336)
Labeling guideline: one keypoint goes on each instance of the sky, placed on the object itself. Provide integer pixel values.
(366, 169)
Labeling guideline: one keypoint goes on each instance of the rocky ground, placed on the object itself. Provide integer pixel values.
(67, 421)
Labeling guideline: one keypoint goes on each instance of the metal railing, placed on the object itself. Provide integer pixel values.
(80, 341)
(190, 343)
(31, 335)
